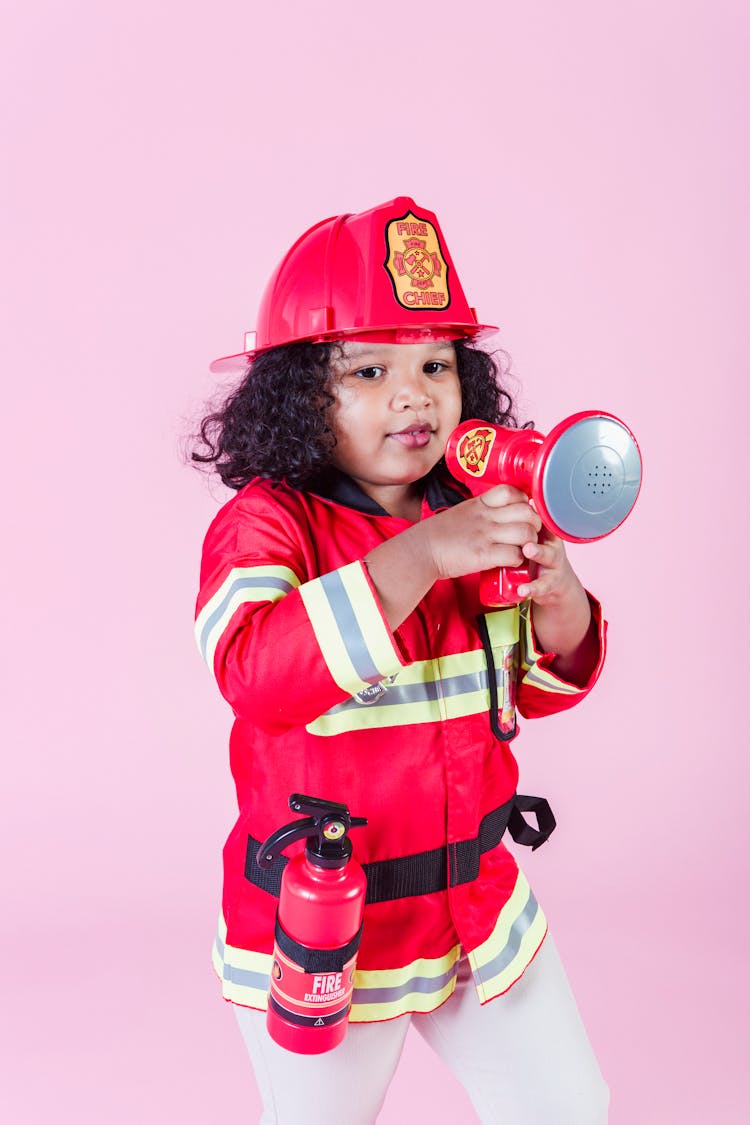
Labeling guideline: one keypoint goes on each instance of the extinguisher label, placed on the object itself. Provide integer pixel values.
(314, 999)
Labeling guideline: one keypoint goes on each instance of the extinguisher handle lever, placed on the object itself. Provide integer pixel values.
(325, 828)
(317, 807)
(282, 837)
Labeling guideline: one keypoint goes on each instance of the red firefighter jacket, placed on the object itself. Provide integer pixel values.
(330, 702)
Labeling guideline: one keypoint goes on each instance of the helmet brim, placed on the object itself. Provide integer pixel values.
(396, 334)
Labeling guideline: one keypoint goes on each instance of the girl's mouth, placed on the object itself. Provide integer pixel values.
(414, 437)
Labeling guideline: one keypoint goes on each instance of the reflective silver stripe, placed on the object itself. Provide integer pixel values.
(349, 628)
(422, 985)
(485, 973)
(245, 977)
(426, 692)
(246, 981)
(237, 585)
(558, 687)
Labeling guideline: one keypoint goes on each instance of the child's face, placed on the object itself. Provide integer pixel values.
(395, 408)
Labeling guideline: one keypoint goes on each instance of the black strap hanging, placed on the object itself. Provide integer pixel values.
(499, 733)
(519, 828)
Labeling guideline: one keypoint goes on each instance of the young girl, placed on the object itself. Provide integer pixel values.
(339, 612)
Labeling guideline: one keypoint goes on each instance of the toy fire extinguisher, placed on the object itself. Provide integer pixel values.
(318, 927)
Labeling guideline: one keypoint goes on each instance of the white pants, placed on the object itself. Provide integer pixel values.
(524, 1058)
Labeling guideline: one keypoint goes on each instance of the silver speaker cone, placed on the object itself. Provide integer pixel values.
(591, 478)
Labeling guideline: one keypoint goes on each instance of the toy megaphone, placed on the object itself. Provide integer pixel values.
(583, 478)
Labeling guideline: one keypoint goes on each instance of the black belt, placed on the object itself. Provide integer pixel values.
(424, 873)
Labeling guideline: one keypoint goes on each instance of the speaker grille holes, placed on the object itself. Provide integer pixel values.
(591, 477)
(599, 480)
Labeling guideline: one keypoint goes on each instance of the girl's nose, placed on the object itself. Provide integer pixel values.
(413, 392)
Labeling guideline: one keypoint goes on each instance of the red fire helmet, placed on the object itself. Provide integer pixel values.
(385, 274)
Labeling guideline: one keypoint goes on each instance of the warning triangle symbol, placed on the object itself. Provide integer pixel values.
(320, 1022)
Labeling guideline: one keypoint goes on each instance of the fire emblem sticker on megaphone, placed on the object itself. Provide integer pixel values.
(473, 450)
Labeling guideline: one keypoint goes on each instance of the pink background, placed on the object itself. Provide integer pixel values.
(588, 163)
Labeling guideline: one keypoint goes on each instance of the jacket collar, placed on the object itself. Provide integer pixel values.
(439, 493)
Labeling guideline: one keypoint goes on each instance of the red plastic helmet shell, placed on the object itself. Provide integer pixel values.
(384, 274)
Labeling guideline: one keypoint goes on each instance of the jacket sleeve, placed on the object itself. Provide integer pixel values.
(285, 644)
(540, 691)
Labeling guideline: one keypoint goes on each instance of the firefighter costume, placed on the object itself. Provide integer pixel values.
(395, 725)
(410, 728)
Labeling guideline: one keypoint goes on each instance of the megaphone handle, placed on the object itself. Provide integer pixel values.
(500, 586)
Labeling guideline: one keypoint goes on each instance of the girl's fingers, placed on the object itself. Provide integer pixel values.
(518, 534)
(504, 554)
(508, 503)
(536, 590)
(501, 495)
(547, 555)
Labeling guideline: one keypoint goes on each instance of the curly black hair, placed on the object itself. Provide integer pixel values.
(275, 425)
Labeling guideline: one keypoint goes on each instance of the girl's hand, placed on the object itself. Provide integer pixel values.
(478, 534)
(561, 612)
(553, 577)
(483, 533)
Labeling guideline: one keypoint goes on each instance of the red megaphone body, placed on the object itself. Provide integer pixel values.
(583, 478)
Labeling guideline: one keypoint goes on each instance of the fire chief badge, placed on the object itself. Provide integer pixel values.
(474, 450)
(415, 263)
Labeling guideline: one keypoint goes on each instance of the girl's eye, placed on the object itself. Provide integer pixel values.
(434, 367)
(369, 372)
